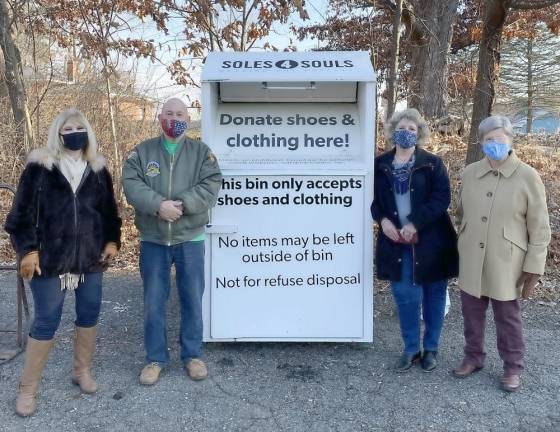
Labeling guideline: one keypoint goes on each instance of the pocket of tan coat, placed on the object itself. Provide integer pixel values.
(516, 238)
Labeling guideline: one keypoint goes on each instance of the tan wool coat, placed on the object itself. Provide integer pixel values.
(503, 227)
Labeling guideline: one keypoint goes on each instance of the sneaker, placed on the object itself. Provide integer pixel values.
(150, 374)
(196, 369)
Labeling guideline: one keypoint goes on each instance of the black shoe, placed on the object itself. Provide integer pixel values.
(429, 361)
(406, 361)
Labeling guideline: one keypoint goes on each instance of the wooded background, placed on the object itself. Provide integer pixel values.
(457, 61)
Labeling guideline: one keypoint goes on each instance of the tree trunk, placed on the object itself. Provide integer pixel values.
(431, 40)
(530, 93)
(392, 84)
(487, 73)
(117, 162)
(14, 79)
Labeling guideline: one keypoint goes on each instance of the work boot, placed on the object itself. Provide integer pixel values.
(465, 369)
(150, 374)
(84, 347)
(196, 369)
(429, 361)
(35, 359)
(510, 382)
(406, 361)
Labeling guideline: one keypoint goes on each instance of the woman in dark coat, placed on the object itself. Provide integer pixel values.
(65, 227)
(416, 246)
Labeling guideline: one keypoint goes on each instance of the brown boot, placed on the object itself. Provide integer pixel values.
(465, 369)
(510, 382)
(35, 359)
(84, 347)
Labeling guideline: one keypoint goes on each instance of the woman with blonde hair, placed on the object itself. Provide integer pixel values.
(65, 227)
(416, 246)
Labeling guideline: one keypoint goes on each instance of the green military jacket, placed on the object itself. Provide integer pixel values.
(151, 175)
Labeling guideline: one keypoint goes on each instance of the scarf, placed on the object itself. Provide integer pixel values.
(401, 175)
(73, 170)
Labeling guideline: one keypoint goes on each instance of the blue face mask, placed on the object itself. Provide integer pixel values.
(496, 150)
(404, 138)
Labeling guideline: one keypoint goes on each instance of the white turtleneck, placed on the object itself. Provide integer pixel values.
(73, 169)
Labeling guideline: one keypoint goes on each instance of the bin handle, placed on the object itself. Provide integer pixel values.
(312, 86)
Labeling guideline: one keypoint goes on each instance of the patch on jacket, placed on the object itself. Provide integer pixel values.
(211, 157)
(132, 154)
(152, 169)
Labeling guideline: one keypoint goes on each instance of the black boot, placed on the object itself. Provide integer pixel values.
(429, 361)
(406, 361)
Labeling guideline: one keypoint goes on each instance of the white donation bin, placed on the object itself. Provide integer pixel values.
(290, 243)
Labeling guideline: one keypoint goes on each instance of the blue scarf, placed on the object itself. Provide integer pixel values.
(401, 175)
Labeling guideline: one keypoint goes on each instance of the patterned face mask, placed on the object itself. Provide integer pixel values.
(496, 150)
(404, 138)
(173, 128)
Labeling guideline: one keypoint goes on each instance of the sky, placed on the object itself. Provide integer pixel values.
(155, 81)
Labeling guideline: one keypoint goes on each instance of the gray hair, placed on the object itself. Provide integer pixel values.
(494, 122)
(413, 115)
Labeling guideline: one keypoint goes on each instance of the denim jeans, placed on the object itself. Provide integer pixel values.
(48, 299)
(410, 298)
(155, 268)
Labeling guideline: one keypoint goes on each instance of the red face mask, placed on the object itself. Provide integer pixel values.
(173, 128)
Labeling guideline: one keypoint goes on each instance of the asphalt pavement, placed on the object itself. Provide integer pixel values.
(260, 387)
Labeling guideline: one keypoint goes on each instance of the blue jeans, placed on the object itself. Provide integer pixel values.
(409, 298)
(155, 267)
(48, 299)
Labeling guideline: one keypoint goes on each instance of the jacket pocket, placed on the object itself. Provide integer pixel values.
(515, 237)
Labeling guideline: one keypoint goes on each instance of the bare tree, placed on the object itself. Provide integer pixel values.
(495, 15)
(14, 76)
(394, 61)
(530, 67)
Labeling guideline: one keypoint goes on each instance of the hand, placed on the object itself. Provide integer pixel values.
(408, 232)
(389, 229)
(170, 211)
(29, 265)
(109, 252)
(528, 281)
(179, 205)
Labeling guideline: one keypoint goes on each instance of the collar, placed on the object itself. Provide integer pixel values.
(179, 149)
(163, 138)
(506, 169)
(421, 158)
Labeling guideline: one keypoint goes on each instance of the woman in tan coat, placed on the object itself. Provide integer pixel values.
(504, 232)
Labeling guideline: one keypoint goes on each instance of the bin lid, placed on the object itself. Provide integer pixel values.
(265, 66)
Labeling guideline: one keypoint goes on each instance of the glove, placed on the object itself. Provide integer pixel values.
(109, 252)
(29, 265)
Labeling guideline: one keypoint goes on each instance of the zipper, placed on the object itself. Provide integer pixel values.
(169, 230)
(75, 199)
(38, 215)
(75, 228)
(413, 248)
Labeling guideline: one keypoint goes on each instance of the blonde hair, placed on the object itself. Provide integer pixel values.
(413, 115)
(54, 142)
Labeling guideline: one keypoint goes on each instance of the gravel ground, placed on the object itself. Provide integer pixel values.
(284, 386)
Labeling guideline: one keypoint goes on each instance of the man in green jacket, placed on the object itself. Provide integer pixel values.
(172, 182)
